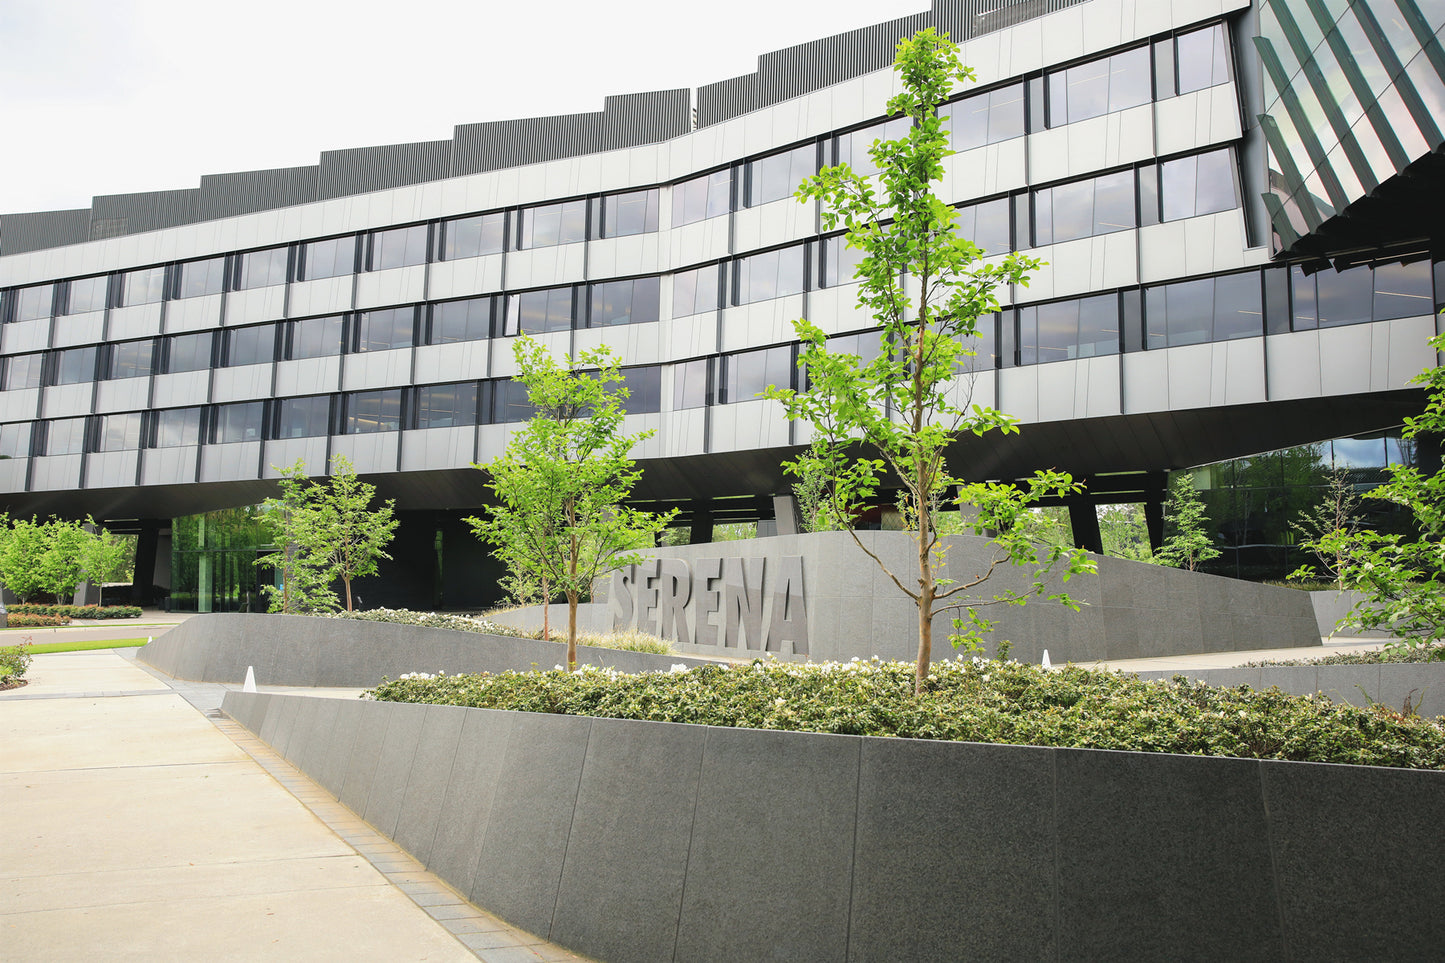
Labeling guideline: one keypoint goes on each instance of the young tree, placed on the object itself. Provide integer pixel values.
(1403, 577)
(349, 535)
(899, 413)
(305, 586)
(1338, 510)
(1190, 545)
(107, 557)
(563, 479)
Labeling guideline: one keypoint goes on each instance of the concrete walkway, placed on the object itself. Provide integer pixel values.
(1225, 660)
(132, 826)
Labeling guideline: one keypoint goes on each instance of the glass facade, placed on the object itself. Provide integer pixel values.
(213, 562)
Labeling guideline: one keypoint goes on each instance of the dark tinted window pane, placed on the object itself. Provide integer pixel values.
(87, 294)
(1064, 213)
(75, 366)
(748, 373)
(473, 236)
(554, 224)
(625, 302)
(1156, 318)
(1098, 326)
(1131, 319)
(840, 262)
(1149, 195)
(1345, 297)
(188, 352)
(252, 345)
(398, 247)
(373, 411)
(15, 440)
(65, 437)
(510, 404)
(178, 426)
(1276, 300)
(330, 258)
(469, 320)
(118, 432)
(1198, 185)
(33, 302)
(535, 312)
(1238, 310)
(446, 406)
(239, 422)
(1190, 312)
(644, 390)
(23, 371)
(702, 197)
(778, 176)
(695, 292)
(260, 269)
(145, 286)
(1203, 59)
(315, 338)
(302, 417)
(772, 274)
(384, 330)
(690, 385)
(1302, 293)
(632, 213)
(199, 278)
(1403, 291)
(132, 359)
(853, 147)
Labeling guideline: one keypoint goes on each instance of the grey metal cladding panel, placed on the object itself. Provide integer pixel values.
(645, 118)
(20, 233)
(791, 72)
(726, 98)
(509, 143)
(364, 169)
(244, 192)
(112, 215)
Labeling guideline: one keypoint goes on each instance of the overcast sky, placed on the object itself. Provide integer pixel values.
(119, 96)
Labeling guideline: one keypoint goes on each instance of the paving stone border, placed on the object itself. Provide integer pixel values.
(641, 841)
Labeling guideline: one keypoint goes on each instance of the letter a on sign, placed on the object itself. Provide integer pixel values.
(790, 608)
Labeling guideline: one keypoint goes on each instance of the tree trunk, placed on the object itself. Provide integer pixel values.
(925, 616)
(546, 612)
(347, 582)
(571, 629)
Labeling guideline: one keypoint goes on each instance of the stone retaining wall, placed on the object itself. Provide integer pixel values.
(1389, 684)
(641, 841)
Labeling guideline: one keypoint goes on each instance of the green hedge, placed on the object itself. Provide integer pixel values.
(77, 611)
(979, 701)
(24, 620)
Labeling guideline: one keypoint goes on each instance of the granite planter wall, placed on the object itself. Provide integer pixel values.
(1392, 684)
(640, 841)
(303, 651)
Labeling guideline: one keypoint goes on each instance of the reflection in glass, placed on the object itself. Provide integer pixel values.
(132, 359)
(260, 269)
(537, 312)
(987, 118)
(510, 404)
(314, 338)
(644, 389)
(303, 417)
(840, 262)
(632, 213)
(625, 302)
(473, 236)
(772, 274)
(330, 258)
(251, 345)
(454, 321)
(23, 371)
(1403, 291)
(75, 366)
(398, 247)
(777, 176)
(176, 427)
(386, 329)
(244, 421)
(33, 302)
(188, 352)
(987, 225)
(65, 436)
(709, 195)
(1203, 59)
(446, 406)
(200, 278)
(118, 432)
(146, 286)
(1099, 87)
(748, 373)
(15, 440)
(695, 291)
(87, 294)
(552, 224)
(1344, 297)
(853, 147)
(368, 411)
(690, 388)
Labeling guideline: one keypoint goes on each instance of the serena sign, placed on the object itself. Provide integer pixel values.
(733, 602)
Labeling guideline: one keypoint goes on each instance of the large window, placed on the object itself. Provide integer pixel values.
(1202, 58)
(34, 302)
(314, 337)
(255, 344)
(551, 224)
(1078, 328)
(625, 302)
(632, 213)
(777, 176)
(1208, 309)
(1100, 87)
(1099, 205)
(1333, 298)
(509, 402)
(132, 359)
(772, 274)
(75, 366)
(398, 247)
(303, 417)
(1403, 291)
(23, 371)
(536, 312)
(853, 147)
(188, 352)
(988, 225)
(261, 269)
(839, 262)
(453, 321)
(367, 411)
(145, 286)
(445, 406)
(86, 294)
(473, 236)
(386, 329)
(118, 432)
(177, 427)
(15, 440)
(986, 118)
(65, 436)
(243, 421)
(644, 389)
(696, 291)
(330, 258)
(747, 374)
(691, 384)
(709, 195)
(199, 278)
(1198, 185)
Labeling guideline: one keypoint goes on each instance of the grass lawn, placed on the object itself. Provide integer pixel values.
(84, 646)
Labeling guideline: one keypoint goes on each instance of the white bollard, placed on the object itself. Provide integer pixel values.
(1047, 663)
(250, 685)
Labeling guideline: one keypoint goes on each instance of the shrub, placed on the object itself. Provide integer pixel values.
(22, 620)
(78, 611)
(14, 660)
(1428, 653)
(977, 701)
(630, 641)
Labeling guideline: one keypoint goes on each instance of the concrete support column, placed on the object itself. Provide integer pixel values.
(701, 533)
(1154, 507)
(145, 562)
(1084, 519)
(788, 518)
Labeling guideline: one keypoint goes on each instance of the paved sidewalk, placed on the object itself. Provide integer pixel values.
(1225, 660)
(132, 826)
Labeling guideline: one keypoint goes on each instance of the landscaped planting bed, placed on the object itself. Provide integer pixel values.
(77, 611)
(627, 641)
(968, 701)
(1394, 654)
